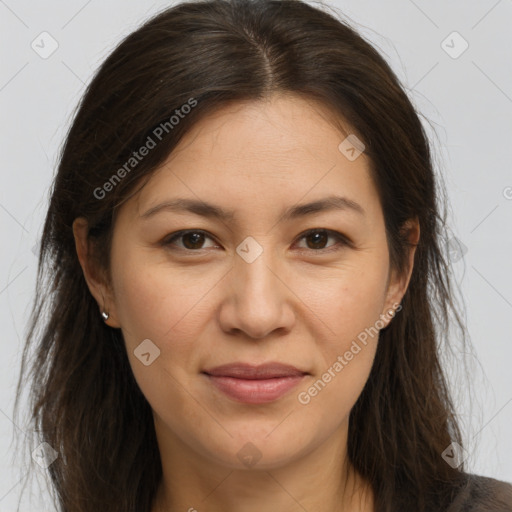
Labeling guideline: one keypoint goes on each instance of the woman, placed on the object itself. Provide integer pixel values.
(247, 284)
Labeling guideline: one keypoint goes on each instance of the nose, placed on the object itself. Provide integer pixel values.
(258, 300)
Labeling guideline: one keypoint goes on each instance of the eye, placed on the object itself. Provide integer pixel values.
(319, 237)
(191, 240)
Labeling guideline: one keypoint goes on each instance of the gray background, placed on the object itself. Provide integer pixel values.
(468, 101)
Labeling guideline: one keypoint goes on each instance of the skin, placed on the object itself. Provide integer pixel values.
(296, 303)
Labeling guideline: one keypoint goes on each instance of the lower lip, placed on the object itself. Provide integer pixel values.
(255, 391)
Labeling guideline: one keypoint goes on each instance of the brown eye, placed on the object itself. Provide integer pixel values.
(190, 240)
(317, 239)
(193, 240)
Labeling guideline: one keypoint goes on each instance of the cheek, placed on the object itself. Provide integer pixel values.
(351, 310)
(350, 302)
(330, 396)
(162, 306)
(347, 353)
(158, 302)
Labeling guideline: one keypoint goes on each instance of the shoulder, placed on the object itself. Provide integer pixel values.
(482, 494)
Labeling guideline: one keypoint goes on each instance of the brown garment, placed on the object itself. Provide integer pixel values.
(483, 494)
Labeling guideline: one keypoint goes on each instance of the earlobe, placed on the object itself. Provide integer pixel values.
(98, 288)
(389, 314)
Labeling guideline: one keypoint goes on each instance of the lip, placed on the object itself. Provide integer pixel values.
(255, 384)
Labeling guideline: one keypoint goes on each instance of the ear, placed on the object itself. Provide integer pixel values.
(398, 282)
(96, 281)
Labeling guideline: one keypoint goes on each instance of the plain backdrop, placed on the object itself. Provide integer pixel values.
(454, 58)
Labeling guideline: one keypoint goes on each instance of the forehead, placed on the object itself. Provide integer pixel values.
(253, 155)
(281, 127)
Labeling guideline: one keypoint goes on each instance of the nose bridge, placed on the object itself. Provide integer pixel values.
(260, 302)
(256, 279)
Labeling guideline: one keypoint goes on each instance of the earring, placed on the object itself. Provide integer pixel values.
(105, 315)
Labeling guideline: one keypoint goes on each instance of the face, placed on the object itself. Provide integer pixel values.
(266, 282)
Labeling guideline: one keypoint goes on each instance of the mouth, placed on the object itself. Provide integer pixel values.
(255, 384)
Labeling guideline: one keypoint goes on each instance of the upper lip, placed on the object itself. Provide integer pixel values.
(248, 371)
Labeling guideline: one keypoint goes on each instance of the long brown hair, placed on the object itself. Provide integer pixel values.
(84, 400)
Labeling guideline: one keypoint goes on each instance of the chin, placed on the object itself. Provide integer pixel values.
(258, 450)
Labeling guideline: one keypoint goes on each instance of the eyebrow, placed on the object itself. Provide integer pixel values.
(204, 209)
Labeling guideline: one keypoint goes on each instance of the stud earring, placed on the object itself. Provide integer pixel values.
(105, 315)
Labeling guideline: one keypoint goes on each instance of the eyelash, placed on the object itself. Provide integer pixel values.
(342, 240)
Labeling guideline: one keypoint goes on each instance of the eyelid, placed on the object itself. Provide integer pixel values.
(342, 239)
